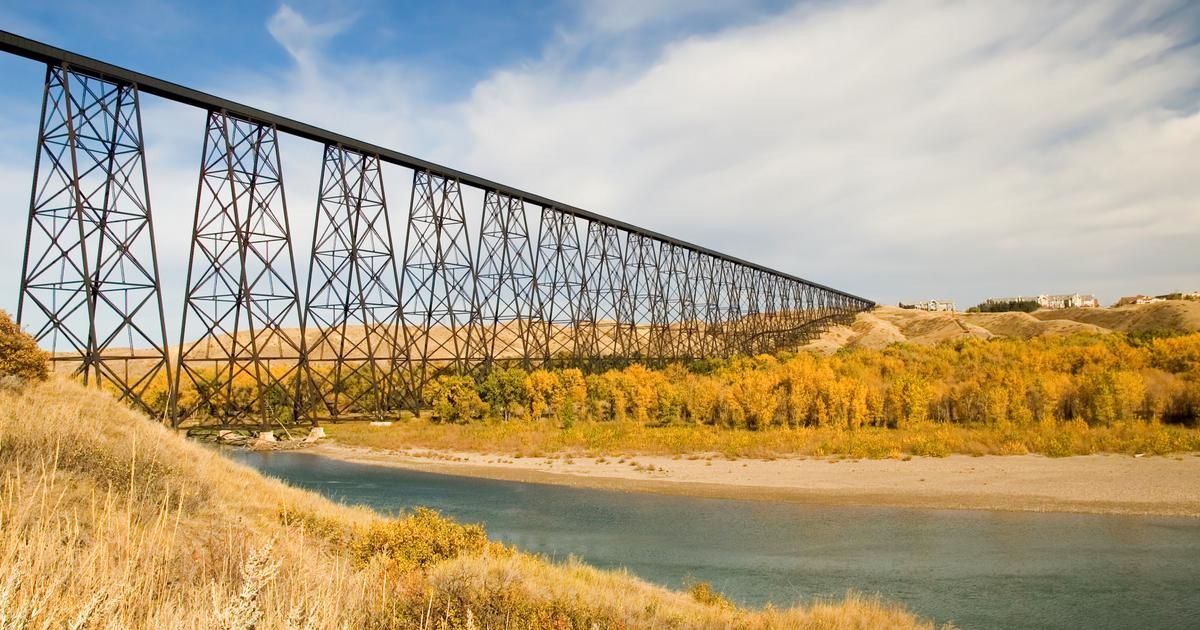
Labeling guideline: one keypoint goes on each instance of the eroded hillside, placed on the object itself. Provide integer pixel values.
(887, 324)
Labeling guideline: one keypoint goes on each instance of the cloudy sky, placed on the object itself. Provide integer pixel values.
(896, 150)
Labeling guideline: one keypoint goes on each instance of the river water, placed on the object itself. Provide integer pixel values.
(976, 569)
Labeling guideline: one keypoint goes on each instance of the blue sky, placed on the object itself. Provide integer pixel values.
(193, 45)
(897, 149)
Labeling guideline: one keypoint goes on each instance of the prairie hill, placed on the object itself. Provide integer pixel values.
(110, 520)
(1180, 315)
(887, 325)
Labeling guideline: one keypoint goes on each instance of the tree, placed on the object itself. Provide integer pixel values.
(455, 399)
(505, 389)
(20, 355)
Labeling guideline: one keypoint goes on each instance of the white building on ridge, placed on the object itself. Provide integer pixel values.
(931, 305)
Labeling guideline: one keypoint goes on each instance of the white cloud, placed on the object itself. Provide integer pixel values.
(895, 149)
(302, 38)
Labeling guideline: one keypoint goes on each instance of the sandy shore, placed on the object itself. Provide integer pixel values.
(1118, 484)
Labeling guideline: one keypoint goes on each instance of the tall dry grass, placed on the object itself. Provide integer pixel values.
(108, 520)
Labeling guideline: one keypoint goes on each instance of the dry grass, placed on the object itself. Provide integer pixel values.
(608, 439)
(108, 520)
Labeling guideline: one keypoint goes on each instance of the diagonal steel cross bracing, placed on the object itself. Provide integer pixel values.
(437, 283)
(240, 349)
(352, 328)
(564, 327)
(89, 285)
(507, 299)
(539, 283)
(604, 277)
(643, 307)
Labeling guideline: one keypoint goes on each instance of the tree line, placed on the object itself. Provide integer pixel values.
(1096, 379)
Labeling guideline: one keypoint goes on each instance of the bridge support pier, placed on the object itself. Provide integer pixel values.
(353, 296)
(561, 291)
(89, 283)
(604, 277)
(236, 360)
(509, 311)
(437, 283)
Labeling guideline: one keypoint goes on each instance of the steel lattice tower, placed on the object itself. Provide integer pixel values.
(605, 280)
(353, 290)
(437, 285)
(560, 286)
(682, 333)
(708, 307)
(507, 299)
(644, 310)
(90, 275)
(241, 287)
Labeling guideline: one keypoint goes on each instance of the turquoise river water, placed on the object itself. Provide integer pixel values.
(976, 569)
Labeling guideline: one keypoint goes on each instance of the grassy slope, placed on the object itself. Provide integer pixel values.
(108, 520)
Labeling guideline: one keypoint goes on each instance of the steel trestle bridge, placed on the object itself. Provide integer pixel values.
(517, 280)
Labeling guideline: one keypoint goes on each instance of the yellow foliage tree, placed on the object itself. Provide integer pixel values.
(20, 356)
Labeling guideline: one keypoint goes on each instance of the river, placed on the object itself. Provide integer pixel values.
(977, 569)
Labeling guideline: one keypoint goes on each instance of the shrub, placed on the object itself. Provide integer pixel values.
(569, 398)
(541, 385)
(704, 593)
(420, 540)
(20, 355)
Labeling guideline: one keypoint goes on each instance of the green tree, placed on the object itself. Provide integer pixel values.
(505, 389)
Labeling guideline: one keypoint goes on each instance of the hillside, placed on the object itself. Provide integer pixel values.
(1170, 315)
(886, 324)
(109, 520)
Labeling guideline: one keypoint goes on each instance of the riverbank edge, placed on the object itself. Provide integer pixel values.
(532, 470)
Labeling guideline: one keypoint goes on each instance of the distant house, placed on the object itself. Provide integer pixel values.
(1071, 300)
(1065, 300)
(930, 305)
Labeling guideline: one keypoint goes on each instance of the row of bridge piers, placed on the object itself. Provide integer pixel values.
(510, 282)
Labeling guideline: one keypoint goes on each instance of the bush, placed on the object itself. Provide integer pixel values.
(418, 541)
(704, 593)
(20, 355)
